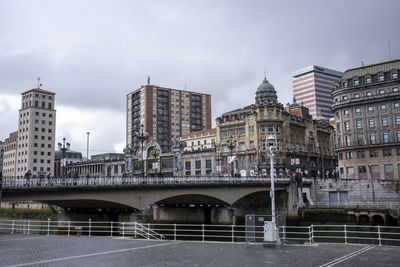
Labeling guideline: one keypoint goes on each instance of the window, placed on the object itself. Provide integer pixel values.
(386, 137)
(347, 140)
(394, 75)
(361, 154)
(349, 155)
(344, 85)
(340, 156)
(384, 121)
(381, 78)
(347, 125)
(397, 119)
(370, 108)
(356, 95)
(356, 82)
(241, 147)
(387, 152)
(398, 136)
(360, 139)
(359, 124)
(381, 91)
(395, 89)
(270, 128)
(369, 93)
(357, 110)
(241, 131)
(373, 153)
(345, 98)
(383, 106)
(362, 169)
(371, 123)
(372, 138)
(396, 105)
(251, 144)
(368, 80)
(346, 112)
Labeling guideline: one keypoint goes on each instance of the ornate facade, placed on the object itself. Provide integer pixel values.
(304, 145)
(367, 114)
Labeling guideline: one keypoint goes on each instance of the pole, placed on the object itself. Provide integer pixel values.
(272, 188)
(87, 146)
(231, 161)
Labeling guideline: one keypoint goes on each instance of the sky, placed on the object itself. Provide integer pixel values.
(93, 53)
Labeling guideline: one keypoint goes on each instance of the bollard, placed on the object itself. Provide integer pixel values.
(111, 229)
(69, 227)
(48, 226)
(90, 227)
(202, 232)
(233, 235)
(174, 231)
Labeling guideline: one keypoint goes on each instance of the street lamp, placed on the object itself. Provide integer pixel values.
(231, 144)
(63, 148)
(141, 136)
(271, 142)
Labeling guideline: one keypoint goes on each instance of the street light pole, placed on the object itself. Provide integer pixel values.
(63, 148)
(231, 144)
(141, 136)
(87, 146)
(271, 142)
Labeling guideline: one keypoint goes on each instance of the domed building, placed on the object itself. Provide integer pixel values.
(304, 145)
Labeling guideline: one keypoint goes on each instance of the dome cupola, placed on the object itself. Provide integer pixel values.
(266, 93)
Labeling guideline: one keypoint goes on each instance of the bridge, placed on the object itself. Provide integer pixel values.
(209, 199)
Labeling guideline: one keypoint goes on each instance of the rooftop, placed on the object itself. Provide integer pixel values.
(372, 69)
(38, 90)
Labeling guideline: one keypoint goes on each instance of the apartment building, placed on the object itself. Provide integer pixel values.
(165, 114)
(10, 155)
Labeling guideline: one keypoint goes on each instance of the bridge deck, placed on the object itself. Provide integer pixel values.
(104, 251)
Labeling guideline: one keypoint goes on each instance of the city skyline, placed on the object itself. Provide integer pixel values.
(223, 49)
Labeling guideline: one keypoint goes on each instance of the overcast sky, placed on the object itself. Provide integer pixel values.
(93, 53)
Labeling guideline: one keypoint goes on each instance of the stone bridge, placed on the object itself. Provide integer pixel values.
(168, 198)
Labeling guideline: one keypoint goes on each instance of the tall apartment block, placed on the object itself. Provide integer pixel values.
(312, 86)
(166, 114)
(10, 155)
(367, 115)
(36, 133)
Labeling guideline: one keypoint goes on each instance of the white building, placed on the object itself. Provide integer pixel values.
(10, 155)
(312, 87)
(36, 133)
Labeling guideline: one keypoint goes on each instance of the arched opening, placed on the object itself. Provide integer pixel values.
(364, 219)
(378, 220)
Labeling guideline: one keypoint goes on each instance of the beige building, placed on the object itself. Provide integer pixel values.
(36, 133)
(304, 145)
(166, 114)
(10, 155)
(200, 140)
(367, 116)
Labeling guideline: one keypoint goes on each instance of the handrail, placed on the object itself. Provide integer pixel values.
(395, 206)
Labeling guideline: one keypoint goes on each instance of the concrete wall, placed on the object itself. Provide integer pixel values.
(358, 190)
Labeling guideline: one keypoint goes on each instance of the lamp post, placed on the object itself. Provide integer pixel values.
(141, 136)
(231, 144)
(271, 140)
(218, 159)
(63, 148)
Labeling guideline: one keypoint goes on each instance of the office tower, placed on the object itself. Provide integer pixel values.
(36, 133)
(312, 87)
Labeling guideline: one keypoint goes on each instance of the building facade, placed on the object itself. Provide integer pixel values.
(312, 86)
(70, 157)
(10, 155)
(166, 114)
(304, 146)
(367, 116)
(1, 156)
(199, 140)
(36, 133)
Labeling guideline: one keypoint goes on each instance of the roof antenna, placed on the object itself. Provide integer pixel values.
(390, 57)
(362, 63)
(265, 75)
(185, 86)
(39, 84)
(148, 80)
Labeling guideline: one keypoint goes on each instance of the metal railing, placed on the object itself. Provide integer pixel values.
(346, 234)
(360, 205)
(26, 183)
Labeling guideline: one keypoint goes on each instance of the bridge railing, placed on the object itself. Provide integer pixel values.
(23, 183)
(360, 205)
(346, 234)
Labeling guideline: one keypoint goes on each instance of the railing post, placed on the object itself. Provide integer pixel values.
(48, 226)
(90, 227)
(202, 231)
(111, 229)
(135, 229)
(309, 234)
(12, 227)
(148, 231)
(345, 234)
(69, 227)
(284, 234)
(123, 230)
(312, 233)
(233, 235)
(29, 227)
(379, 235)
(174, 231)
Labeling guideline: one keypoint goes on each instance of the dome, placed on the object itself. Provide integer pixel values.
(266, 93)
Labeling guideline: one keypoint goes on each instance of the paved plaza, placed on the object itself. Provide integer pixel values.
(23, 250)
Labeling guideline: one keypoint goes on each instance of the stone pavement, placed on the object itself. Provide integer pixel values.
(23, 250)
